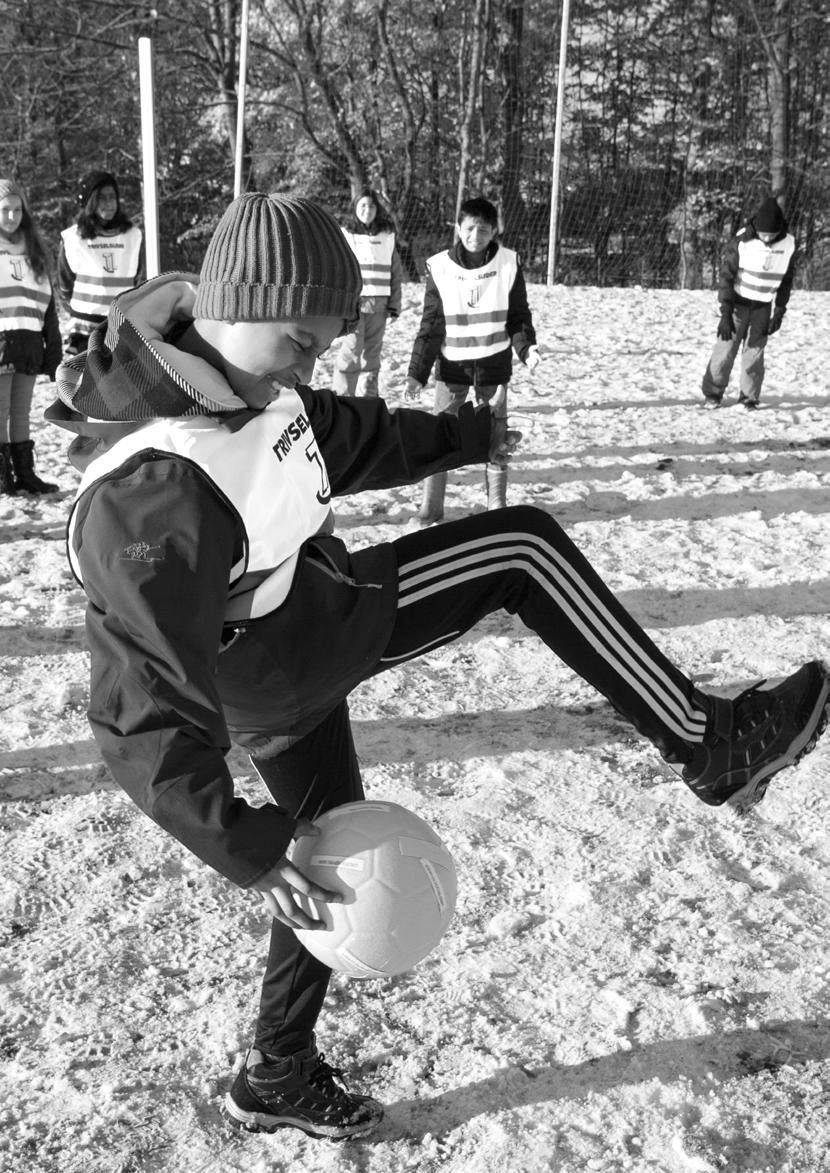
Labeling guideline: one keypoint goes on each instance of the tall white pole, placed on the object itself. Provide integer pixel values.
(148, 155)
(557, 141)
(240, 101)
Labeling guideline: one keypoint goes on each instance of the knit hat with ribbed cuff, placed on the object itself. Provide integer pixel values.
(274, 256)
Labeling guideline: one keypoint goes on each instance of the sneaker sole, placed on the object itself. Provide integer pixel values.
(263, 1122)
(751, 794)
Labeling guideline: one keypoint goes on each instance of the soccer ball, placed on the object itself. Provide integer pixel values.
(399, 886)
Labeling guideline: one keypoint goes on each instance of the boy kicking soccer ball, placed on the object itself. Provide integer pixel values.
(222, 607)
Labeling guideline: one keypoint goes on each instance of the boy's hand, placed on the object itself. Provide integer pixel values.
(413, 389)
(533, 358)
(776, 320)
(503, 440)
(726, 327)
(280, 885)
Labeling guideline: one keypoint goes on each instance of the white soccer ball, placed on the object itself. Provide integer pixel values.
(399, 886)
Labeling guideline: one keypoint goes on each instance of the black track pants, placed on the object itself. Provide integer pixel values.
(450, 577)
(520, 559)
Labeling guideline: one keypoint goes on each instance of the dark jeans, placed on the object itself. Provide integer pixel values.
(749, 340)
(450, 577)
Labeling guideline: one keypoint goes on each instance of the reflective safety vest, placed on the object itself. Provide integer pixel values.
(761, 267)
(24, 297)
(268, 469)
(475, 304)
(374, 255)
(104, 267)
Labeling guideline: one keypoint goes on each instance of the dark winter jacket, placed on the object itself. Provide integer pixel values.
(490, 371)
(33, 352)
(730, 264)
(171, 680)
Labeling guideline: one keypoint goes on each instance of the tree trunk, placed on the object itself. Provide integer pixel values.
(474, 47)
(510, 41)
(776, 38)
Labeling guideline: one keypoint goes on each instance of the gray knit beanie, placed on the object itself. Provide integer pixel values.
(274, 256)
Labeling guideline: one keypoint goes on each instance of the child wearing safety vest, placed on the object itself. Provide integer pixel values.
(30, 343)
(755, 282)
(210, 472)
(371, 237)
(475, 314)
(101, 255)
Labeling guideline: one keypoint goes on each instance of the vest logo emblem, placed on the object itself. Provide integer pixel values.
(474, 297)
(768, 259)
(109, 262)
(17, 268)
(141, 552)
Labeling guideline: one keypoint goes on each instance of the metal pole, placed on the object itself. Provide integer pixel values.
(148, 155)
(557, 142)
(240, 101)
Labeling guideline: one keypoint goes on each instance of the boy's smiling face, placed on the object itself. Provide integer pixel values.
(475, 234)
(259, 359)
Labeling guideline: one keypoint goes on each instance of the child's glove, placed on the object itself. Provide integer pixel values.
(726, 327)
(413, 389)
(776, 319)
(532, 358)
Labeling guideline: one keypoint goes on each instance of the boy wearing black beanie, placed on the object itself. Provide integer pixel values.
(221, 606)
(755, 282)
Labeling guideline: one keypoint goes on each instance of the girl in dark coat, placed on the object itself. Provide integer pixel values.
(29, 337)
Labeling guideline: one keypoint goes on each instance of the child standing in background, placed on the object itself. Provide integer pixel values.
(475, 314)
(755, 281)
(371, 237)
(30, 343)
(101, 255)
(209, 473)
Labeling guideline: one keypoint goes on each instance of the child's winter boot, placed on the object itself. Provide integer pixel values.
(23, 461)
(432, 505)
(495, 478)
(7, 484)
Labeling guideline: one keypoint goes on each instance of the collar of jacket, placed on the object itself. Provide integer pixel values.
(460, 255)
(132, 371)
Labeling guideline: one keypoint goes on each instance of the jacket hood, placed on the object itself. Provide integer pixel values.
(133, 372)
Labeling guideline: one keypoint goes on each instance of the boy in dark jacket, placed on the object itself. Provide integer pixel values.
(209, 468)
(756, 275)
(475, 314)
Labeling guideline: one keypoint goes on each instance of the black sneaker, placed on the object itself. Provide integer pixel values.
(299, 1091)
(756, 734)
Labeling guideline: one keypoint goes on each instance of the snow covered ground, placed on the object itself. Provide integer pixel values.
(632, 981)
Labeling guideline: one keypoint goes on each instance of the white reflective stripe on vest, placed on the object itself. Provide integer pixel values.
(24, 298)
(104, 267)
(475, 304)
(272, 474)
(761, 267)
(374, 255)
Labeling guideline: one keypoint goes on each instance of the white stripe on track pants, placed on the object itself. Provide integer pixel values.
(520, 559)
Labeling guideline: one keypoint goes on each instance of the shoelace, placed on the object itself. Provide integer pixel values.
(747, 722)
(324, 1075)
